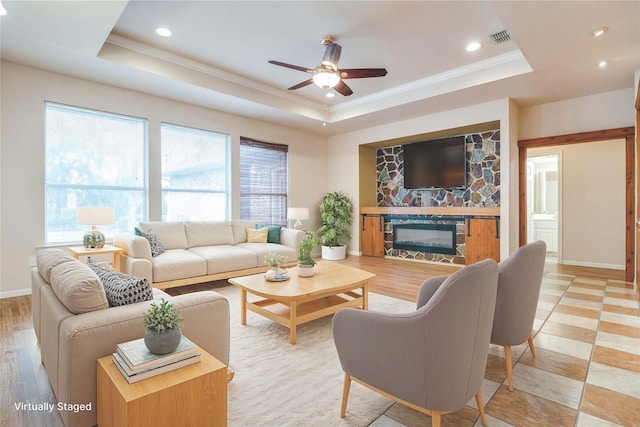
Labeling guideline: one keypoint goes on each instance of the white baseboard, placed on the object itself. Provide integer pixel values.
(593, 264)
(16, 293)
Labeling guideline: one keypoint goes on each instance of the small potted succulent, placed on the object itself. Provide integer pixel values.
(305, 261)
(275, 261)
(163, 333)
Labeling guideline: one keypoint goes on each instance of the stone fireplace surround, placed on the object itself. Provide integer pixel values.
(483, 190)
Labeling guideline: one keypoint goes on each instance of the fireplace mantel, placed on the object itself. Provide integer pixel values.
(444, 211)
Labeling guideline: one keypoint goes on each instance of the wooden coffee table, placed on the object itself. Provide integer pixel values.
(302, 299)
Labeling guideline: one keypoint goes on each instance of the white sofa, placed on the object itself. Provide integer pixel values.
(200, 251)
(75, 326)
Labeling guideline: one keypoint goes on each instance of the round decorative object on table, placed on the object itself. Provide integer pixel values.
(162, 342)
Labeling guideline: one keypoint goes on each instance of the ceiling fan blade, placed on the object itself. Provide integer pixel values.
(295, 67)
(342, 88)
(361, 73)
(301, 84)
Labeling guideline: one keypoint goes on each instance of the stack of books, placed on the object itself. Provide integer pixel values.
(136, 363)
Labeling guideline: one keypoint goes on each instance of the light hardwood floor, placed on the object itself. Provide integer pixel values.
(587, 369)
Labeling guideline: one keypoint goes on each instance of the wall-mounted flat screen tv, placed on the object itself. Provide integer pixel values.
(438, 163)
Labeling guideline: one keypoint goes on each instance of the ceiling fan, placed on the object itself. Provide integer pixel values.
(327, 74)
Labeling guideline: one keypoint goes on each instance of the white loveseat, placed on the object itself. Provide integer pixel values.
(201, 251)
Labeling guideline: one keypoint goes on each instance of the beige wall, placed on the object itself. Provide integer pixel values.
(593, 206)
(607, 110)
(24, 90)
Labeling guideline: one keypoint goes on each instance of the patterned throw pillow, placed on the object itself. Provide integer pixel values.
(121, 289)
(154, 242)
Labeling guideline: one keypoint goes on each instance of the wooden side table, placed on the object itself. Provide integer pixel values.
(194, 395)
(78, 251)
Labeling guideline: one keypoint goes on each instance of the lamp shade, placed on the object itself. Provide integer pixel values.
(298, 213)
(94, 215)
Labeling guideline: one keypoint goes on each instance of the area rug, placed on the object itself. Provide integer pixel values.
(277, 384)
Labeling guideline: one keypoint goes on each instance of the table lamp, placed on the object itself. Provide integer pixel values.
(298, 214)
(94, 215)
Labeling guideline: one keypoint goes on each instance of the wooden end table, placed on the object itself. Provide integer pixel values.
(194, 395)
(78, 251)
(302, 299)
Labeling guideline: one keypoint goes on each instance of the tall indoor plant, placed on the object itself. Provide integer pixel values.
(336, 213)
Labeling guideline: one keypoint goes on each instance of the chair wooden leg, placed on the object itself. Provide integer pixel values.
(533, 349)
(507, 359)
(345, 394)
(436, 418)
(483, 417)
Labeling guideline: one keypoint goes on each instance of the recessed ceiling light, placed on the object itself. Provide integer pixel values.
(599, 31)
(330, 95)
(602, 64)
(473, 46)
(163, 31)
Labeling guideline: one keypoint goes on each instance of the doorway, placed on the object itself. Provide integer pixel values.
(543, 200)
(628, 134)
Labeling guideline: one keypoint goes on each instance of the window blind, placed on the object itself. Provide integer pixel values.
(263, 181)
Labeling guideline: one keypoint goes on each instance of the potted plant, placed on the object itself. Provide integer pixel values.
(336, 213)
(305, 261)
(163, 333)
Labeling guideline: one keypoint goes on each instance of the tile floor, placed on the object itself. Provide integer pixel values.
(586, 371)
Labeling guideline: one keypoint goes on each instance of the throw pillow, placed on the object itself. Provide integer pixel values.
(120, 288)
(273, 236)
(78, 287)
(257, 235)
(154, 242)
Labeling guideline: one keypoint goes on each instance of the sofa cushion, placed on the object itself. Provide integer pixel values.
(78, 287)
(208, 233)
(274, 232)
(262, 249)
(223, 258)
(239, 227)
(47, 259)
(176, 264)
(120, 288)
(257, 235)
(171, 234)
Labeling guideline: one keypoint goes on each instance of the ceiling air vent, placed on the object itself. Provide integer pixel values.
(500, 37)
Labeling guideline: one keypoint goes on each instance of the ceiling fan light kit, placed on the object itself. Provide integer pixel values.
(327, 75)
(325, 78)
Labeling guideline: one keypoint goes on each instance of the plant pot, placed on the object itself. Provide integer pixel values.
(334, 253)
(305, 270)
(162, 342)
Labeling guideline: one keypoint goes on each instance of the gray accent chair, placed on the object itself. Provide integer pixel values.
(519, 281)
(433, 359)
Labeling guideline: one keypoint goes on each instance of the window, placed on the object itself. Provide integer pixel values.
(92, 158)
(194, 174)
(263, 182)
